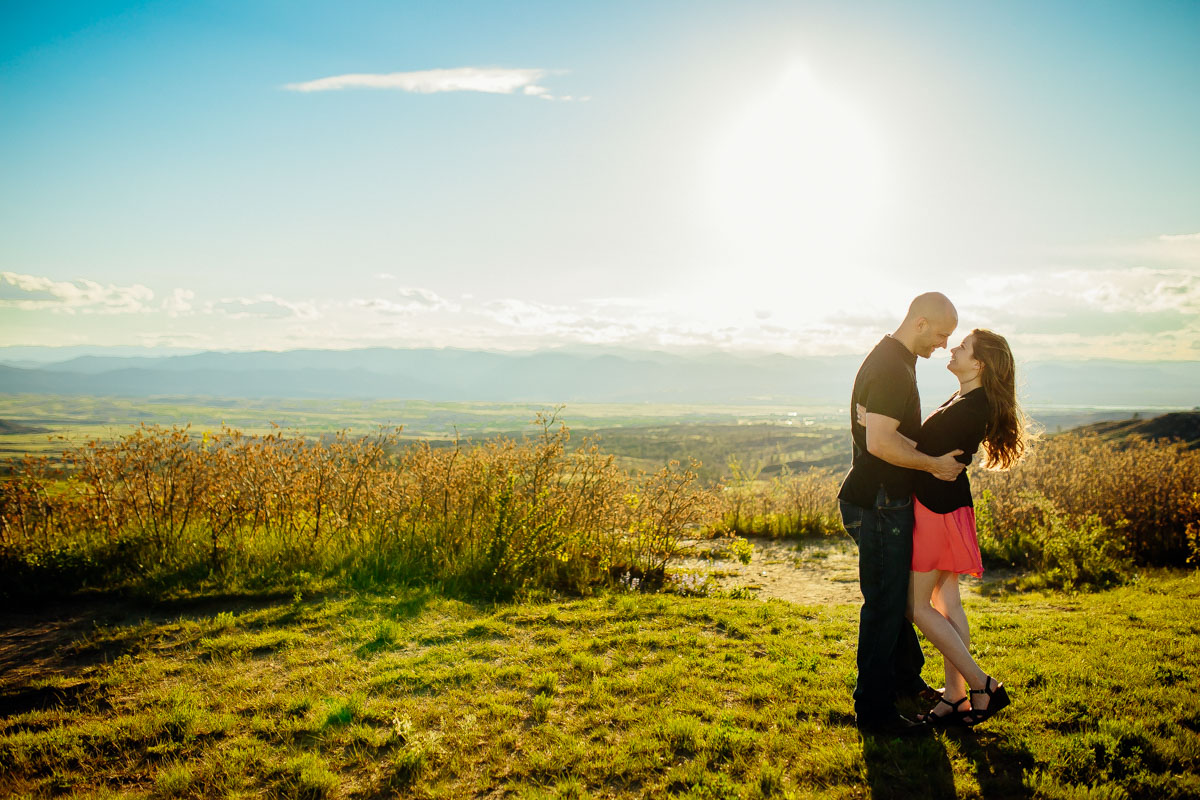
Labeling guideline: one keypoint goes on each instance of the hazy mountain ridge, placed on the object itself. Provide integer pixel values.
(569, 376)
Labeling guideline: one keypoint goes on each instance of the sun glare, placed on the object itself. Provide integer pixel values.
(797, 180)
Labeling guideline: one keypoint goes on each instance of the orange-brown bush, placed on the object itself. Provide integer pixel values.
(1077, 503)
(1147, 493)
(802, 504)
(161, 506)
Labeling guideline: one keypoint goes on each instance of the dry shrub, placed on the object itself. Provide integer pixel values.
(1077, 509)
(161, 506)
(1147, 493)
(803, 504)
(1061, 550)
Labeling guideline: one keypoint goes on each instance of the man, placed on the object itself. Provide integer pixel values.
(876, 505)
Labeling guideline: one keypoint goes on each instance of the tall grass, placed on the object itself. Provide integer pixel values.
(162, 507)
(792, 504)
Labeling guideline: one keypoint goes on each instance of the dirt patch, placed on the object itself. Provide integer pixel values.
(805, 572)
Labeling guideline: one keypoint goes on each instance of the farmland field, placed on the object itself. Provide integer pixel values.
(641, 435)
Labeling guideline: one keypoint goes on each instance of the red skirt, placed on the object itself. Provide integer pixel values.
(945, 541)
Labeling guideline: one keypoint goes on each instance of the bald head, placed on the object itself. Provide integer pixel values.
(930, 320)
(931, 306)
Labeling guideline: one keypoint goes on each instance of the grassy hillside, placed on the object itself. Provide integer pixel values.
(623, 695)
(1181, 425)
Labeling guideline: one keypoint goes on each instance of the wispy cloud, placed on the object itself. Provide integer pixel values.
(1135, 313)
(263, 306)
(410, 300)
(1061, 293)
(34, 293)
(180, 302)
(521, 313)
(1167, 250)
(490, 80)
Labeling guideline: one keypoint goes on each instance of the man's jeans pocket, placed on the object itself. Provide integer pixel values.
(885, 503)
(895, 518)
(852, 519)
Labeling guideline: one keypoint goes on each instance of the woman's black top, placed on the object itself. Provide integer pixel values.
(959, 424)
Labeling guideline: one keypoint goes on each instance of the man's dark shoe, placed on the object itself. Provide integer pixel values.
(926, 695)
(930, 694)
(891, 726)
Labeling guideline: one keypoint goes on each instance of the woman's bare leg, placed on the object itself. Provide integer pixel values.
(941, 632)
(948, 602)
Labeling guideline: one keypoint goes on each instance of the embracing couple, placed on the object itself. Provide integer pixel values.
(906, 502)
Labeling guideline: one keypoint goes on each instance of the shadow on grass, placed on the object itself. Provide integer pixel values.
(1000, 764)
(920, 767)
(910, 767)
(66, 636)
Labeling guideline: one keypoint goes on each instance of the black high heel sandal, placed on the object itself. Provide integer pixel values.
(954, 719)
(997, 699)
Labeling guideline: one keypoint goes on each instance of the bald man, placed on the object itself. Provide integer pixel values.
(877, 510)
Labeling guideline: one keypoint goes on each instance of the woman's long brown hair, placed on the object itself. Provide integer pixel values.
(1005, 439)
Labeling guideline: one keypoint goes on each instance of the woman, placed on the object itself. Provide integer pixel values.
(945, 545)
(983, 410)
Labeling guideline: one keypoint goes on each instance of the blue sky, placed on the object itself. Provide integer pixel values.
(753, 176)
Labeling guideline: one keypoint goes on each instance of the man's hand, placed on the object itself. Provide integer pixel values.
(947, 467)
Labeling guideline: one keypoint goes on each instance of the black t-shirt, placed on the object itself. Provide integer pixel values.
(886, 384)
(958, 425)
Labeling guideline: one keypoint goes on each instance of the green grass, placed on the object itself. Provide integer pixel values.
(624, 695)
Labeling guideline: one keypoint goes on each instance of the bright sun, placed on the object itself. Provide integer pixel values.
(797, 183)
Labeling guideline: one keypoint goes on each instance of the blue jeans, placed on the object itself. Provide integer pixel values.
(889, 655)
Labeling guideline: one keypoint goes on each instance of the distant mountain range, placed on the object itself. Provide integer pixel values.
(552, 376)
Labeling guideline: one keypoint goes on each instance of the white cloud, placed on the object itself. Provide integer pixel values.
(1179, 237)
(423, 298)
(1138, 313)
(34, 293)
(412, 300)
(491, 80)
(510, 311)
(263, 306)
(385, 276)
(1058, 293)
(180, 302)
